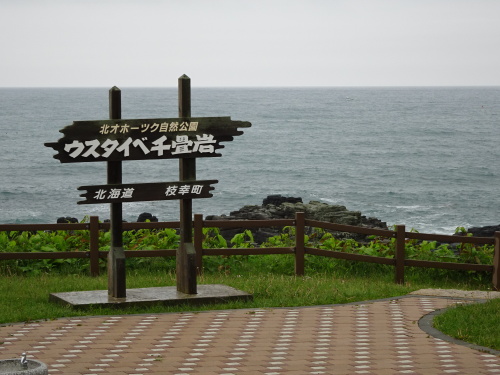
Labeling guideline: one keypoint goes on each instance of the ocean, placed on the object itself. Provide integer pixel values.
(425, 157)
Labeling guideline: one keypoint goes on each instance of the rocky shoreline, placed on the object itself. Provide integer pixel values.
(280, 207)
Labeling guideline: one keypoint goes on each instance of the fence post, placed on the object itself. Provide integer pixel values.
(496, 263)
(299, 243)
(94, 245)
(399, 255)
(198, 242)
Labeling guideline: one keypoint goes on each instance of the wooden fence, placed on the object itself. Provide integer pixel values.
(300, 223)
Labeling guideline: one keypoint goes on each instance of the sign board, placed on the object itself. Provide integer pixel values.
(136, 139)
(119, 193)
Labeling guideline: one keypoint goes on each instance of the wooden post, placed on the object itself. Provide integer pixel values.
(116, 257)
(299, 243)
(186, 255)
(399, 255)
(94, 245)
(198, 242)
(496, 263)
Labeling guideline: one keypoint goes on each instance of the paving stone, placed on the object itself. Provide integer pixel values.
(372, 337)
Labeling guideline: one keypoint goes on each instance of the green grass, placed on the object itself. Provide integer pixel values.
(26, 297)
(269, 278)
(476, 323)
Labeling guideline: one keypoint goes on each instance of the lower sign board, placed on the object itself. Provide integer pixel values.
(157, 191)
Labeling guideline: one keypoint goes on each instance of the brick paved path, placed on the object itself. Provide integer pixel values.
(374, 337)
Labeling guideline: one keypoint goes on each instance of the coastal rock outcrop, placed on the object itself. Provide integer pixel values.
(67, 220)
(147, 216)
(279, 207)
(486, 231)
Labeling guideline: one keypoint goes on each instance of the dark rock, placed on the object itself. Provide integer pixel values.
(278, 199)
(486, 231)
(147, 216)
(279, 207)
(67, 220)
(373, 222)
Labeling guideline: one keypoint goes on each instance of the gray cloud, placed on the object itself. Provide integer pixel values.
(250, 43)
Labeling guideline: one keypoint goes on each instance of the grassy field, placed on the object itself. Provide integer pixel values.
(25, 298)
(477, 323)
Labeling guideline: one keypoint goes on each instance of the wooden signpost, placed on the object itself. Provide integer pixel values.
(117, 285)
(115, 140)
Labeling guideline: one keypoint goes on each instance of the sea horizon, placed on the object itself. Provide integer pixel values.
(421, 156)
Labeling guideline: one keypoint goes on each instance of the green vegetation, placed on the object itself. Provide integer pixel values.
(477, 323)
(145, 239)
(26, 284)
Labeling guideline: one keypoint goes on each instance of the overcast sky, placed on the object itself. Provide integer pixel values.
(144, 43)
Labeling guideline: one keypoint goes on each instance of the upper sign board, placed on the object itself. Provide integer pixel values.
(145, 139)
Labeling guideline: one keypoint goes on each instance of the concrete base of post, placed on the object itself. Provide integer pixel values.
(167, 296)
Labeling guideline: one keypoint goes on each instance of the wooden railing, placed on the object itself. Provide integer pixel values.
(399, 260)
